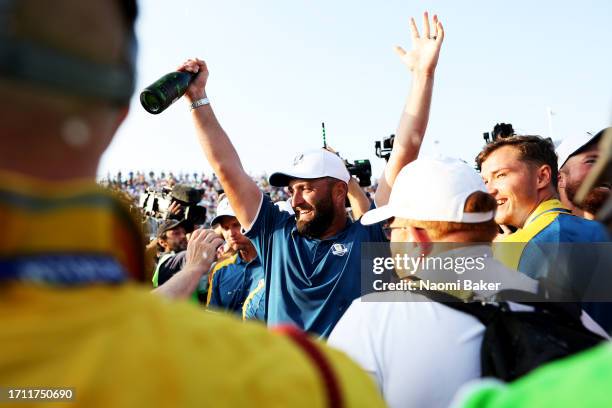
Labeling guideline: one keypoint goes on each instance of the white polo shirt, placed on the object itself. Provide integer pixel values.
(418, 352)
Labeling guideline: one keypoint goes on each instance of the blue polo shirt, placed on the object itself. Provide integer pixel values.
(541, 249)
(231, 283)
(309, 282)
(254, 307)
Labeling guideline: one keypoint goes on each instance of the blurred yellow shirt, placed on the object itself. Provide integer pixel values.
(121, 346)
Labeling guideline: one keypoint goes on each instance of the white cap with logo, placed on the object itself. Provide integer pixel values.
(223, 210)
(572, 144)
(432, 189)
(311, 165)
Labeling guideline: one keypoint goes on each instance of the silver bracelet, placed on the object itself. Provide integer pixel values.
(200, 102)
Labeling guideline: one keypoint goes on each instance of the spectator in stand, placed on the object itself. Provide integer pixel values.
(312, 259)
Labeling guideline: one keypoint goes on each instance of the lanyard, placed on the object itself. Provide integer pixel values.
(62, 270)
(82, 236)
(560, 210)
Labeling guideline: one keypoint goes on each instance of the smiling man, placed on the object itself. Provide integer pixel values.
(521, 174)
(312, 260)
(577, 155)
(72, 312)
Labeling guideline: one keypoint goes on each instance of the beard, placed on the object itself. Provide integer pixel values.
(593, 201)
(322, 220)
(179, 246)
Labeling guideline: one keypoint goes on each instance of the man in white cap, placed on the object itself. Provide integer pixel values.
(404, 341)
(576, 156)
(311, 260)
(233, 279)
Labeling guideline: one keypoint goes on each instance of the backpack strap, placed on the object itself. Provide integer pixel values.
(543, 301)
(321, 362)
(484, 312)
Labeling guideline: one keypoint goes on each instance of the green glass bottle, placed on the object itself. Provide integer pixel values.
(165, 91)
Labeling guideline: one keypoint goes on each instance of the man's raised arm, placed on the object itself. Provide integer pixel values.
(243, 194)
(421, 61)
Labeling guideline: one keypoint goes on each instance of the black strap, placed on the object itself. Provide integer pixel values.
(484, 312)
(549, 299)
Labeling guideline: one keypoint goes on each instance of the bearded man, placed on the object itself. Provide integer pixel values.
(577, 155)
(312, 260)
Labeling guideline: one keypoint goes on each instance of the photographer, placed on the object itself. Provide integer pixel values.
(172, 238)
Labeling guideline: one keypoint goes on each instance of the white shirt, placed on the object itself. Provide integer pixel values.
(419, 352)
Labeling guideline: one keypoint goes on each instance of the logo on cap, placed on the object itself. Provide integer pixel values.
(298, 159)
(339, 249)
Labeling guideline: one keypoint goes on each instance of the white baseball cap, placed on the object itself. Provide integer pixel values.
(311, 165)
(223, 209)
(572, 144)
(432, 189)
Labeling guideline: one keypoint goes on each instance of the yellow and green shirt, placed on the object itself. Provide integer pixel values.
(72, 317)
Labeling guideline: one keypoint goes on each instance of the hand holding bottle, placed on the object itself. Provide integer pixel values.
(197, 87)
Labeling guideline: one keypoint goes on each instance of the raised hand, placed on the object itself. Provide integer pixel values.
(425, 52)
(197, 88)
(202, 249)
(174, 208)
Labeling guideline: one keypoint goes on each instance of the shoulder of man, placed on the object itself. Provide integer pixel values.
(374, 232)
(298, 378)
(174, 261)
(269, 218)
(226, 262)
(219, 266)
(571, 228)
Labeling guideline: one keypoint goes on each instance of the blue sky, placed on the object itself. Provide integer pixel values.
(279, 68)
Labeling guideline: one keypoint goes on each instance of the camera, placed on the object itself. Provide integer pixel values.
(500, 131)
(362, 170)
(383, 148)
(157, 203)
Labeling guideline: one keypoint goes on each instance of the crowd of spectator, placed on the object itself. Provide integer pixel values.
(138, 183)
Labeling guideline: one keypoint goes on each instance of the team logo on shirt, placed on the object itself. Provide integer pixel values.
(298, 159)
(339, 249)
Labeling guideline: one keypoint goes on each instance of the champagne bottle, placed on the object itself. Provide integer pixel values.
(165, 91)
